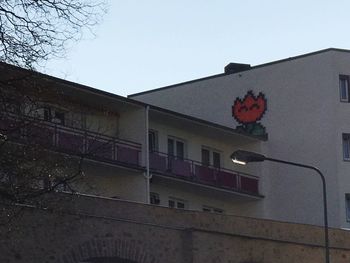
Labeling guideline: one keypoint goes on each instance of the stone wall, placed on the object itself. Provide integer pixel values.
(74, 229)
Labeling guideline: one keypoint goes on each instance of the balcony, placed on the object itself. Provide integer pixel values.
(73, 141)
(193, 171)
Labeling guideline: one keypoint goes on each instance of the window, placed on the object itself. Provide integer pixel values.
(346, 146)
(46, 111)
(216, 159)
(212, 209)
(205, 157)
(152, 140)
(177, 203)
(58, 117)
(180, 149)
(154, 198)
(206, 209)
(347, 207)
(75, 120)
(344, 88)
(218, 210)
(211, 157)
(176, 147)
(51, 114)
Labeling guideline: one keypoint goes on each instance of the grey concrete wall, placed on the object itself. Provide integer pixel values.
(75, 228)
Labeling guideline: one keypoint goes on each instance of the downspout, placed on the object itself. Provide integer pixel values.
(147, 155)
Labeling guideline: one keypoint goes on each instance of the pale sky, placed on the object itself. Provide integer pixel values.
(147, 44)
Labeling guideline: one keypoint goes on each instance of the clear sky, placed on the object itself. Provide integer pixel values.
(147, 44)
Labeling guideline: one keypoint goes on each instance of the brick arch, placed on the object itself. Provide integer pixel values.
(108, 250)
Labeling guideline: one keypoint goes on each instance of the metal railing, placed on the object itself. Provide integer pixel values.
(75, 141)
(194, 171)
(100, 147)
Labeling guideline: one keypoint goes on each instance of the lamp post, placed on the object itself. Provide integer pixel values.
(244, 157)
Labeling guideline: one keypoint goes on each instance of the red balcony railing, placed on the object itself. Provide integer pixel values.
(91, 145)
(194, 171)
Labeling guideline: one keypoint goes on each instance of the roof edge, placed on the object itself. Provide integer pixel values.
(225, 74)
(74, 84)
(131, 101)
(209, 123)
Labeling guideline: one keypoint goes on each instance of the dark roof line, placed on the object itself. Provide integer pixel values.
(131, 101)
(74, 84)
(225, 74)
(209, 123)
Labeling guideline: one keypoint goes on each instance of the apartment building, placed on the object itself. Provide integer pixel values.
(190, 165)
(104, 130)
(132, 150)
(301, 104)
(171, 146)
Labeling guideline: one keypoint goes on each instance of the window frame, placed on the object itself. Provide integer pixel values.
(49, 113)
(55, 115)
(154, 198)
(346, 80)
(205, 160)
(211, 209)
(212, 152)
(175, 147)
(346, 146)
(214, 163)
(176, 201)
(347, 207)
(155, 135)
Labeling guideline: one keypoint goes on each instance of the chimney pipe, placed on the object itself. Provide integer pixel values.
(236, 67)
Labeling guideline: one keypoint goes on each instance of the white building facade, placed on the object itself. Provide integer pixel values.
(306, 120)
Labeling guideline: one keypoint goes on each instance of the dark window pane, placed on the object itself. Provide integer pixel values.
(171, 147)
(205, 157)
(180, 150)
(152, 141)
(180, 205)
(346, 146)
(216, 159)
(59, 117)
(47, 114)
(344, 88)
(171, 203)
(154, 198)
(347, 204)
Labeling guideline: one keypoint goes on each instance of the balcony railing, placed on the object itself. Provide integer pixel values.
(194, 171)
(91, 145)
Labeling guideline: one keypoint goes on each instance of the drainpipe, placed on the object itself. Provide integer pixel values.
(147, 155)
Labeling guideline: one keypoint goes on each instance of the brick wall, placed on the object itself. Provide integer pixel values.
(74, 228)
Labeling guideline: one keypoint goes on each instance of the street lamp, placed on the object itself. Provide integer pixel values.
(244, 157)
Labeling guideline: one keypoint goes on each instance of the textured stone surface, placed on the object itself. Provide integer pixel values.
(80, 228)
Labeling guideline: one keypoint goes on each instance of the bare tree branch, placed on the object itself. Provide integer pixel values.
(34, 31)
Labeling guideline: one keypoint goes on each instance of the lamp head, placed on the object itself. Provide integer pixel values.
(244, 157)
